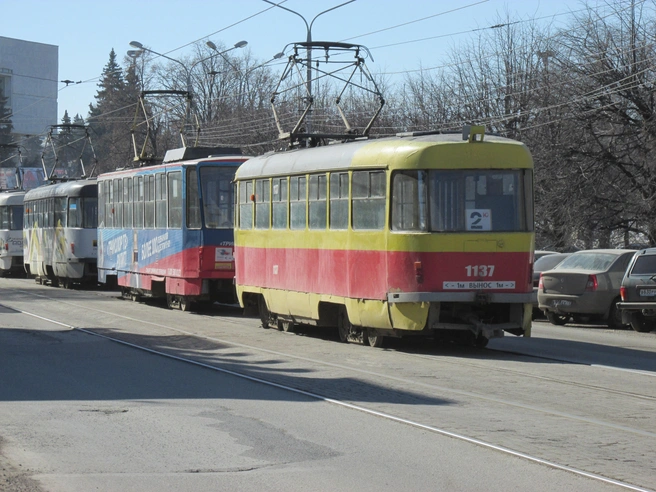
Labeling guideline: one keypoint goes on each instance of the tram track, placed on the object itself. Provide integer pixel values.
(407, 354)
(404, 381)
(339, 402)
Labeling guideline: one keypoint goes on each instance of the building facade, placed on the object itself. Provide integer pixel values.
(29, 79)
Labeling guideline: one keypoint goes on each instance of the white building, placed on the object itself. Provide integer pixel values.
(29, 79)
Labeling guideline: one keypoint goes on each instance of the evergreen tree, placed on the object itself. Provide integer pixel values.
(111, 116)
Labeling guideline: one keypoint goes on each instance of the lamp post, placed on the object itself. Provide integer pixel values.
(240, 44)
(139, 46)
(308, 27)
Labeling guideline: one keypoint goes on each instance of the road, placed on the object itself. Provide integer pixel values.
(99, 393)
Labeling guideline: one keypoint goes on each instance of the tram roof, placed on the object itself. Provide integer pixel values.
(371, 153)
(80, 187)
(12, 197)
(223, 159)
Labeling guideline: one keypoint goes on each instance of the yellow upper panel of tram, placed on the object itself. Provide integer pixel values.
(442, 151)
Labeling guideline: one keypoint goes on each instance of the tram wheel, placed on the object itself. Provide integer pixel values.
(286, 326)
(344, 326)
(372, 339)
(481, 342)
(265, 315)
(184, 303)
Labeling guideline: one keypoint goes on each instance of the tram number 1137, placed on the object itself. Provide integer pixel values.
(479, 270)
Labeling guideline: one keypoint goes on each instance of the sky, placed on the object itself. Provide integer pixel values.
(401, 35)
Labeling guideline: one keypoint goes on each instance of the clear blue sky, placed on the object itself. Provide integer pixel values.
(86, 30)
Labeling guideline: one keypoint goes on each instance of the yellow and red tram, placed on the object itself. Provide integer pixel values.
(427, 234)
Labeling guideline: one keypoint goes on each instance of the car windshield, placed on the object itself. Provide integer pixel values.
(588, 261)
(645, 265)
(547, 262)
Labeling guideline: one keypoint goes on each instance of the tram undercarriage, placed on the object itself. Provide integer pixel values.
(472, 324)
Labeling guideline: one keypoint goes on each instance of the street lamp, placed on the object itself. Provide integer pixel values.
(309, 48)
(240, 44)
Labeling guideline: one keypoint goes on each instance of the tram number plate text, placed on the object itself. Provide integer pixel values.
(479, 285)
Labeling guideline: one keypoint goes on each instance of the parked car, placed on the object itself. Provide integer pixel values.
(540, 253)
(638, 292)
(543, 264)
(585, 284)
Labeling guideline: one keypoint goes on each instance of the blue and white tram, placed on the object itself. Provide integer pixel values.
(59, 233)
(167, 230)
(11, 232)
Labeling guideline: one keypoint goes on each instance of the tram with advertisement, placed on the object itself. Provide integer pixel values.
(59, 233)
(166, 230)
(419, 234)
(14, 182)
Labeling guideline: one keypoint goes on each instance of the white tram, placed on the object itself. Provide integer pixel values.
(11, 232)
(60, 233)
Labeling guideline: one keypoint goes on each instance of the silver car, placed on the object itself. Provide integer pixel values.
(585, 285)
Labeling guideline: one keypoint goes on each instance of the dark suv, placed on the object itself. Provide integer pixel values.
(638, 292)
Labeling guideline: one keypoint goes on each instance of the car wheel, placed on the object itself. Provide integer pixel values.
(557, 319)
(641, 324)
(615, 316)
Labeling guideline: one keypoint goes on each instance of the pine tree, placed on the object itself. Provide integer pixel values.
(110, 118)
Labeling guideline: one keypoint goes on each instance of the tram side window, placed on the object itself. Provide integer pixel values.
(138, 197)
(262, 203)
(368, 200)
(38, 214)
(297, 199)
(127, 203)
(280, 203)
(193, 204)
(4, 217)
(60, 212)
(245, 205)
(409, 201)
(339, 186)
(118, 203)
(175, 199)
(101, 204)
(149, 201)
(51, 212)
(109, 204)
(317, 201)
(27, 214)
(160, 201)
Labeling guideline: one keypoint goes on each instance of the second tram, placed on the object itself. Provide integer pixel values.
(416, 234)
(59, 232)
(167, 230)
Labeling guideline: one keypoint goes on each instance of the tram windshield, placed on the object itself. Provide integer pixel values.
(462, 201)
(217, 195)
(83, 212)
